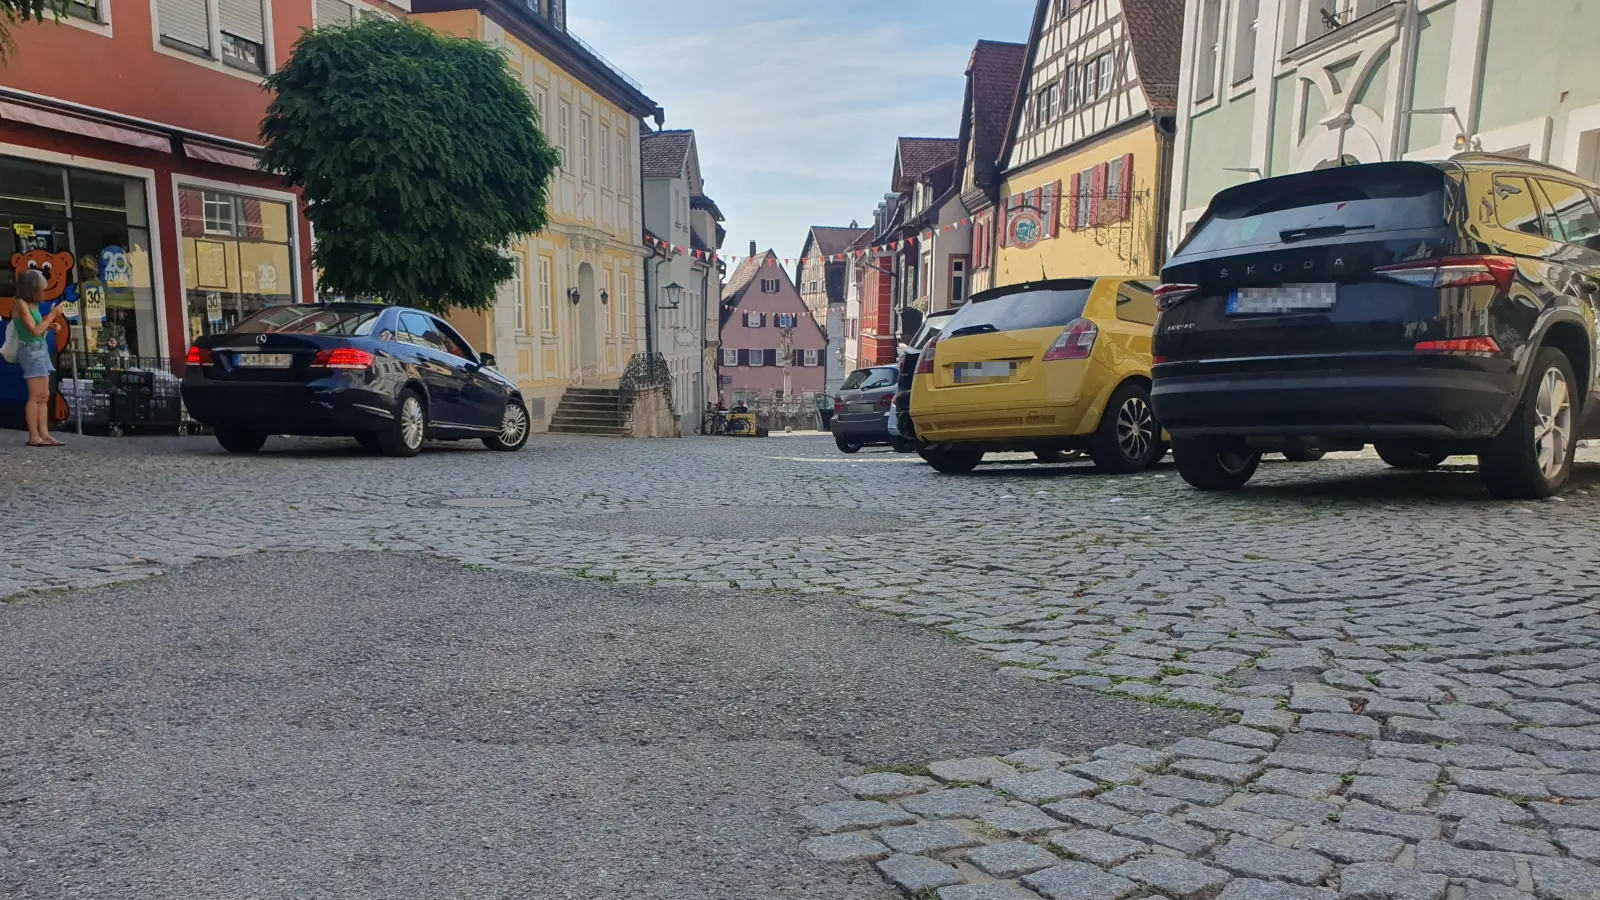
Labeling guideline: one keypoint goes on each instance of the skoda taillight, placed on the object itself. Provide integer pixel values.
(1170, 295)
(1454, 271)
(1076, 341)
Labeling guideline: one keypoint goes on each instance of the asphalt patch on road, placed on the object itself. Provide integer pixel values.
(397, 726)
(725, 522)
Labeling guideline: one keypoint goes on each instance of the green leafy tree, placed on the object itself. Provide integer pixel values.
(418, 156)
(20, 12)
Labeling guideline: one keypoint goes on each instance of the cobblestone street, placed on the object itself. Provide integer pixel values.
(1344, 681)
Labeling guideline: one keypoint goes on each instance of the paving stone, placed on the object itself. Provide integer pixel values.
(1108, 771)
(928, 837)
(1248, 824)
(1254, 889)
(1586, 762)
(951, 803)
(1250, 858)
(1044, 787)
(1479, 890)
(1035, 759)
(1199, 696)
(1293, 660)
(1097, 847)
(1289, 809)
(1312, 785)
(848, 815)
(1320, 703)
(1340, 723)
(1139, 756)
(1019, 820)
(1420, 731)
(978, 770)
(1306, 762)
(1135, 800)
(1359, 816)
(1203, 793)
(1568, 815)
(1168, 833)
(1479, 835)
(1087, 813)
(1324, 744)
(915, 874)
(1468, 805)
(1385, 881)
(886, 784)
(1180, 878)
(1462, 714)
(1078, 881)
(1502, 783)
(1390, 793)
(1386, 767)
(1580, 842)
(1199, 748)
(1565, 879)
(1277, 721)
(1413, 752)
(1245, 737)
(845, 848)
(1436, 856)
(1574, 787)
(993, 890)
(1385, 708)
(1011, 859)
(1350, 846)
(1552, 714)
(1571, 738)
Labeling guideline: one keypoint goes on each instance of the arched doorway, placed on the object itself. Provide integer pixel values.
(588, 320)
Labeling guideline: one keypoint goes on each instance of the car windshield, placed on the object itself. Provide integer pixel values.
(1016, 308)
(1326, 203)
(310, 319)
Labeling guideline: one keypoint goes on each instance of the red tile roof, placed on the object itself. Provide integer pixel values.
(918, 156)
(662, 155)
(828, 240)
(996, 70)
(1156, 29)
(745, 273)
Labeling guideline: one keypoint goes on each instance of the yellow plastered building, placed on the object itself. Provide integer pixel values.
(574, 312)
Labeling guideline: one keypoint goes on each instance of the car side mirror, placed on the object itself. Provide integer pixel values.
(486, 360)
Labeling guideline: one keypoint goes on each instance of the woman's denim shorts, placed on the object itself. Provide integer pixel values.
(34, 358)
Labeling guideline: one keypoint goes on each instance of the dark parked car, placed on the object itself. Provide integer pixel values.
(1430, 309)
(905, 426)
(386, 376)
(861, 410)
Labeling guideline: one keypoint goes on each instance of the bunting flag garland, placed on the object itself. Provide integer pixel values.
(908, 242)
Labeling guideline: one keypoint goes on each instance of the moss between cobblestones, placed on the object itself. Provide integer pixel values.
(912, 769)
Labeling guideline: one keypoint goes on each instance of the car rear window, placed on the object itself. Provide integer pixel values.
(308, 319)
(1017, 308)
(930, 327)
(1327, 203)
(855, 379)
(882, 376)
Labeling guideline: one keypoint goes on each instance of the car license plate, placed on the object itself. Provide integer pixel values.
(262, 360)
(979, 373)
(1307, 297)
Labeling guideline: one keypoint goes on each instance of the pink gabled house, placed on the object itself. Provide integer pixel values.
(771, 346)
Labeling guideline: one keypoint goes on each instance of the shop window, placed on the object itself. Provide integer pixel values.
(91, 231)
(238, 257)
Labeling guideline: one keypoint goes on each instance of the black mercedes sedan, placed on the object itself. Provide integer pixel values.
(387, 376)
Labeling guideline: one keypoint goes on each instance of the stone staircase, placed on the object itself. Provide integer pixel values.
(596, 411)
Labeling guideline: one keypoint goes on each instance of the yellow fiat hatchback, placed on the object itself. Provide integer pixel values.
(1043, 367)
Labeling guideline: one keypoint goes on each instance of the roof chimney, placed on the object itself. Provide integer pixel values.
(752, 249)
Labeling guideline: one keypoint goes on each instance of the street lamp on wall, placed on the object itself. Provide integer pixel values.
(605, 296)
(574, 295)
(1463, 141)
(672, 296)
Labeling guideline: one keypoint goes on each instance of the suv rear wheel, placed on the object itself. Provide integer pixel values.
(846, 446)
(1532, 457)
(1406, 455)
(240, 440)
(1211, 466)
(1128, 437)
(951, 460)
(1304, 454)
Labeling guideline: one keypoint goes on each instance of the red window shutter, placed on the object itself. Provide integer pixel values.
(1072, 211)
(1052, 209)
(1097, 193)
(1126, 212)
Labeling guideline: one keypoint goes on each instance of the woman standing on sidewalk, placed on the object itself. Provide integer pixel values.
(34, 332)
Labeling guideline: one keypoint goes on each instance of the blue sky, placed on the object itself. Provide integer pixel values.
(796, 105)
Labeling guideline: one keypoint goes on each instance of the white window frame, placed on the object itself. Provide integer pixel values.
(1245, 33)
(585, 154)
(730, 357)
(606, 285)
(1090, 80)
(206, 205)
(622, 300)
(1208, 51)
(564, 133)
(519, 288)
(623, 177)
(546, 295)
(1074, 88)
(1107, 73)
(756, 359)
(605, 157)
(812, 358)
